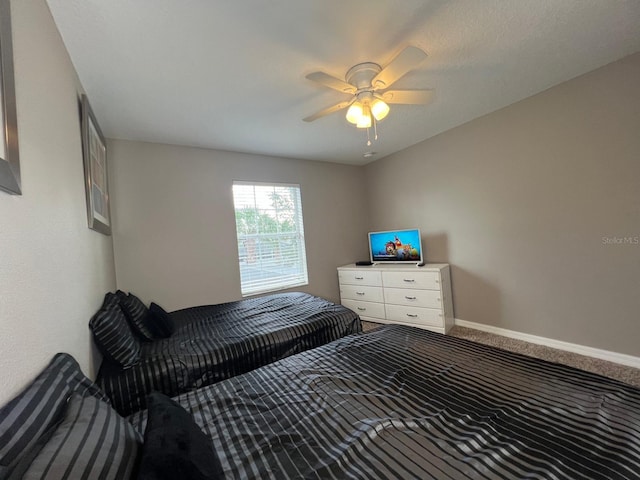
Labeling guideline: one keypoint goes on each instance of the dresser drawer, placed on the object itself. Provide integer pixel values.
(417, 315)
(413, 297)
(361, 292)
(365, 309)
(360, 277)
(421, 280)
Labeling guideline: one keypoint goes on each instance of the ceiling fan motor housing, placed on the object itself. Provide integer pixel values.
(361, 75)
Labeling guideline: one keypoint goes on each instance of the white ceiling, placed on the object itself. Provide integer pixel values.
(230, 75)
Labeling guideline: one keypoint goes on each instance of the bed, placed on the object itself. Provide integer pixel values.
(396, 402)
(401, 402)
(215, 342)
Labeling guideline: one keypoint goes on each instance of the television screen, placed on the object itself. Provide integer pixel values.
(396, 246)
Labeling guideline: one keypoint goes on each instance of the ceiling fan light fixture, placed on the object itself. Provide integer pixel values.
(368, 83)
(379, 109)
(354, 113)
(365, 119)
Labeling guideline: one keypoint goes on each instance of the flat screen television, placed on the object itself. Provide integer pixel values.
(395, 246)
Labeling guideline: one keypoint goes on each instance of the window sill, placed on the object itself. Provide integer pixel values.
(272, 290)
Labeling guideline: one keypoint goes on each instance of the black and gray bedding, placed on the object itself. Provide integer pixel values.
(395, 402)
(400, 402)
(206, 344)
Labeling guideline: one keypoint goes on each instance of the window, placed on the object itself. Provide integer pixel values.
(270, 237)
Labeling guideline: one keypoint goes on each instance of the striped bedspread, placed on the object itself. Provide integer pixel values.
(399, 402)
(215, 342)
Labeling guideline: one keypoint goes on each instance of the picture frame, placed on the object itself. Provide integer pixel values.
(10, 181)
(94, 153)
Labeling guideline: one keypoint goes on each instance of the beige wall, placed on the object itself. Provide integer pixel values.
(519, 202)
(175, 237)
(55, 270)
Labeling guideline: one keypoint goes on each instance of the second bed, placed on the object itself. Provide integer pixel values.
(215, 342)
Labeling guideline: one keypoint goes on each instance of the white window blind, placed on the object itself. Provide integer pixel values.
(270, 234)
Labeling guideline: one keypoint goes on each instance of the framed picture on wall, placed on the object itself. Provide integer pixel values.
(9, 159)
(94, 152)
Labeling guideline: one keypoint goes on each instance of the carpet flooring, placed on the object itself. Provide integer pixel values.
(623, 373)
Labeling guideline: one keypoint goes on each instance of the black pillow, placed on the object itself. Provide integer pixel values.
(162, 323)
(137, 314)
(113, 335)
(174, 446)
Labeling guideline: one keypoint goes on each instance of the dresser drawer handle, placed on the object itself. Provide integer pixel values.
(359, 278)
(362, 309)
(437, 281)
(412, 315)
(359, 293)
(409, 280)
(409, 298)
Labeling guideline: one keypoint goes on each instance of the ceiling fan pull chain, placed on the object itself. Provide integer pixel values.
(375, 129)
(368, 139)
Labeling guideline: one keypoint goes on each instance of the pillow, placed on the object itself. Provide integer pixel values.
(25, 418)
(113, 336)
(110, 299)
(137, 314)
(174, 447)
(91, 441)
(162, 321)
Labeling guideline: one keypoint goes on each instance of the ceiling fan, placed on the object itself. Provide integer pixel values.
(368, 84)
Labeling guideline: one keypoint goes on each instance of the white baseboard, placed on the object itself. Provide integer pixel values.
(615, 357)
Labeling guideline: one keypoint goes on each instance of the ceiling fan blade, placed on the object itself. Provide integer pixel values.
(328, 111)
(331, 82)
(406, 60)
(408, 97)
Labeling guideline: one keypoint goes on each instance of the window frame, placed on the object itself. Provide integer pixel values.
(303, 278)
